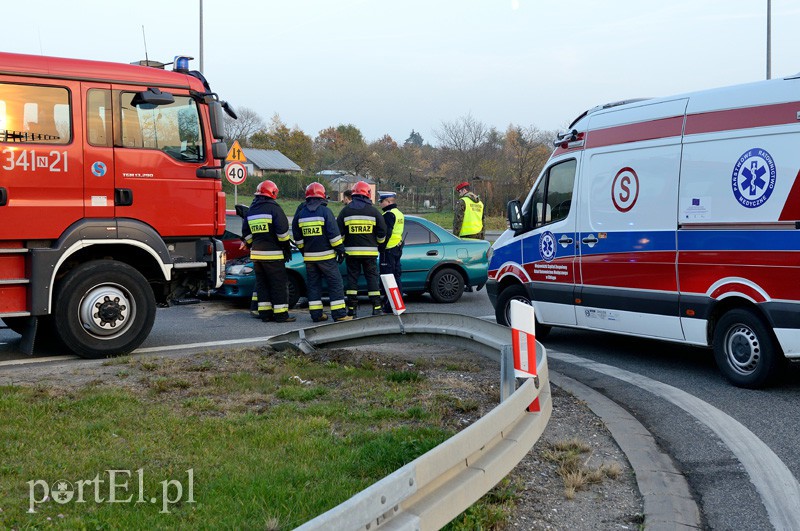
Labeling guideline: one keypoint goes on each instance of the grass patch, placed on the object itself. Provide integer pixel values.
(570, 457)
(264, 440)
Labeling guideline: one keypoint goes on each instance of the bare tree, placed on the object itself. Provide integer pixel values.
(242, 129)
(462, 142)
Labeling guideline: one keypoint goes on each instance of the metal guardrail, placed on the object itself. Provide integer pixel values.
(442, 483)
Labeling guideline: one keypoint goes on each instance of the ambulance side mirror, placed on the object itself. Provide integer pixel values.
(514, 213)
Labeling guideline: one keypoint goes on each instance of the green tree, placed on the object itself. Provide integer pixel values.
(293, 143)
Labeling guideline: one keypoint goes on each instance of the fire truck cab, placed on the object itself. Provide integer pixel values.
(674, 218)
(110, 197)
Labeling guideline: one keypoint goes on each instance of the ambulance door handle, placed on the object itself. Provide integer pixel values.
(565, 240)
(590, 240)
(3, 196)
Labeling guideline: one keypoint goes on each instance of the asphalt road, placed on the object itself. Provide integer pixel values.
(738, 448)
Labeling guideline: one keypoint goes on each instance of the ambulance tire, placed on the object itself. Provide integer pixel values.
(745, 349)
(96, 295)
(502, 311)
(447, 285)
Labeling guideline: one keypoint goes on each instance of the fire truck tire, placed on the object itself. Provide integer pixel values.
(502, 312)
(104, 308)
(745, 349)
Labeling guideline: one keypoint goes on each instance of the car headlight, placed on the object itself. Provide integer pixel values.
(239, 269)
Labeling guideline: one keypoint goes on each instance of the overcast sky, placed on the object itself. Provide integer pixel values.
(389, 66)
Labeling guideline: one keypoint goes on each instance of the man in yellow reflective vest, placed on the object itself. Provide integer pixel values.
(392, 250)
(469, 214)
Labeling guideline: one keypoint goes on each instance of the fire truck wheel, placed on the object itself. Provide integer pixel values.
(447, 285)
(104, 308)
(745, 350)
(502, 312)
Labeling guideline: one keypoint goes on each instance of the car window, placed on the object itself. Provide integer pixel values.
(416, 234)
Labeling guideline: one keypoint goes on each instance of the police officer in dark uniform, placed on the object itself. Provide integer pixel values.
(363, 229)
(392, 250)
(266, 232)
(317, 235)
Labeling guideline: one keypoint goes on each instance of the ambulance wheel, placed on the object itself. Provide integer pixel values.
(104, 308)
(447, 285)
(502, 312)
(746, 352)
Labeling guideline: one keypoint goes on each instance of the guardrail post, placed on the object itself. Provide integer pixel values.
(508, 382)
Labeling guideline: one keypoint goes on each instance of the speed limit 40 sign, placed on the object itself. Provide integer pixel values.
(236, 173)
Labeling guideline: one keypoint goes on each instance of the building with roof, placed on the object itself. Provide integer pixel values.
(340, 181)
(263, 161)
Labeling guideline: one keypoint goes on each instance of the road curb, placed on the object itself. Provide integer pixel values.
(668, 503)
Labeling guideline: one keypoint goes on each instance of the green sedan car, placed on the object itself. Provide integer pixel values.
(434, 261)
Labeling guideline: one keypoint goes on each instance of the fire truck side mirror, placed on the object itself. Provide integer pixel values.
(217, 122)
(219, 150)
(152, 98)
(514, 215)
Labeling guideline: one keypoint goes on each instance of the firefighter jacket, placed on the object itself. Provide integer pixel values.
(315, 231)
(395, 223)
(362, 227)
(266, 230)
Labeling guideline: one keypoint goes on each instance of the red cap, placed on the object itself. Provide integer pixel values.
(461, 186)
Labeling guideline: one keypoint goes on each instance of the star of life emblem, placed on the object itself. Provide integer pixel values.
(753, 178)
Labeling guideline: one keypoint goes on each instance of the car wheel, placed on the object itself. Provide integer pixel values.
(502, 312)
(447, 285)
(745, 349)
(104, 308)
(294, 289)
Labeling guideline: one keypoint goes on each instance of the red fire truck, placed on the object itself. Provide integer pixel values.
(110, 197)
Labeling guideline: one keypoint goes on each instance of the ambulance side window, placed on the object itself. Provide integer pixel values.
(551, 201)
(173, 129)
(34, 114)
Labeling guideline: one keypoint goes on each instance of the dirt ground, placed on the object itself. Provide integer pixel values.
(542, 503)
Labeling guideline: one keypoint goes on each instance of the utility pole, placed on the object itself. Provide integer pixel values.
(201, 37)
(769, 39)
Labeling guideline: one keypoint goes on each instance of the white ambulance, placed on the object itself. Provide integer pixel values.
(674, 218)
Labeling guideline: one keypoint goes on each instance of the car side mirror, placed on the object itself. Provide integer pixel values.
(514, 213)
(242, 210)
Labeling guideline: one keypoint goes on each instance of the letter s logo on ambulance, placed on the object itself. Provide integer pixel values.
(749, 183)
(547, 246)
(625, 189)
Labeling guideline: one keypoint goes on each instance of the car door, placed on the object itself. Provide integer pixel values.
(422, 251)
(548, 251)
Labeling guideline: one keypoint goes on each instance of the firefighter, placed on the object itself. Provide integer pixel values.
(316, 234)
(363, 229)
(392, 250)
(266, 232)
(469, 214)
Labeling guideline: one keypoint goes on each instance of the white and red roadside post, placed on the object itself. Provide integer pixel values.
(523, 341)
(393, 293)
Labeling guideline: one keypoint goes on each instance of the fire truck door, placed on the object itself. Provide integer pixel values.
(98, 167)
